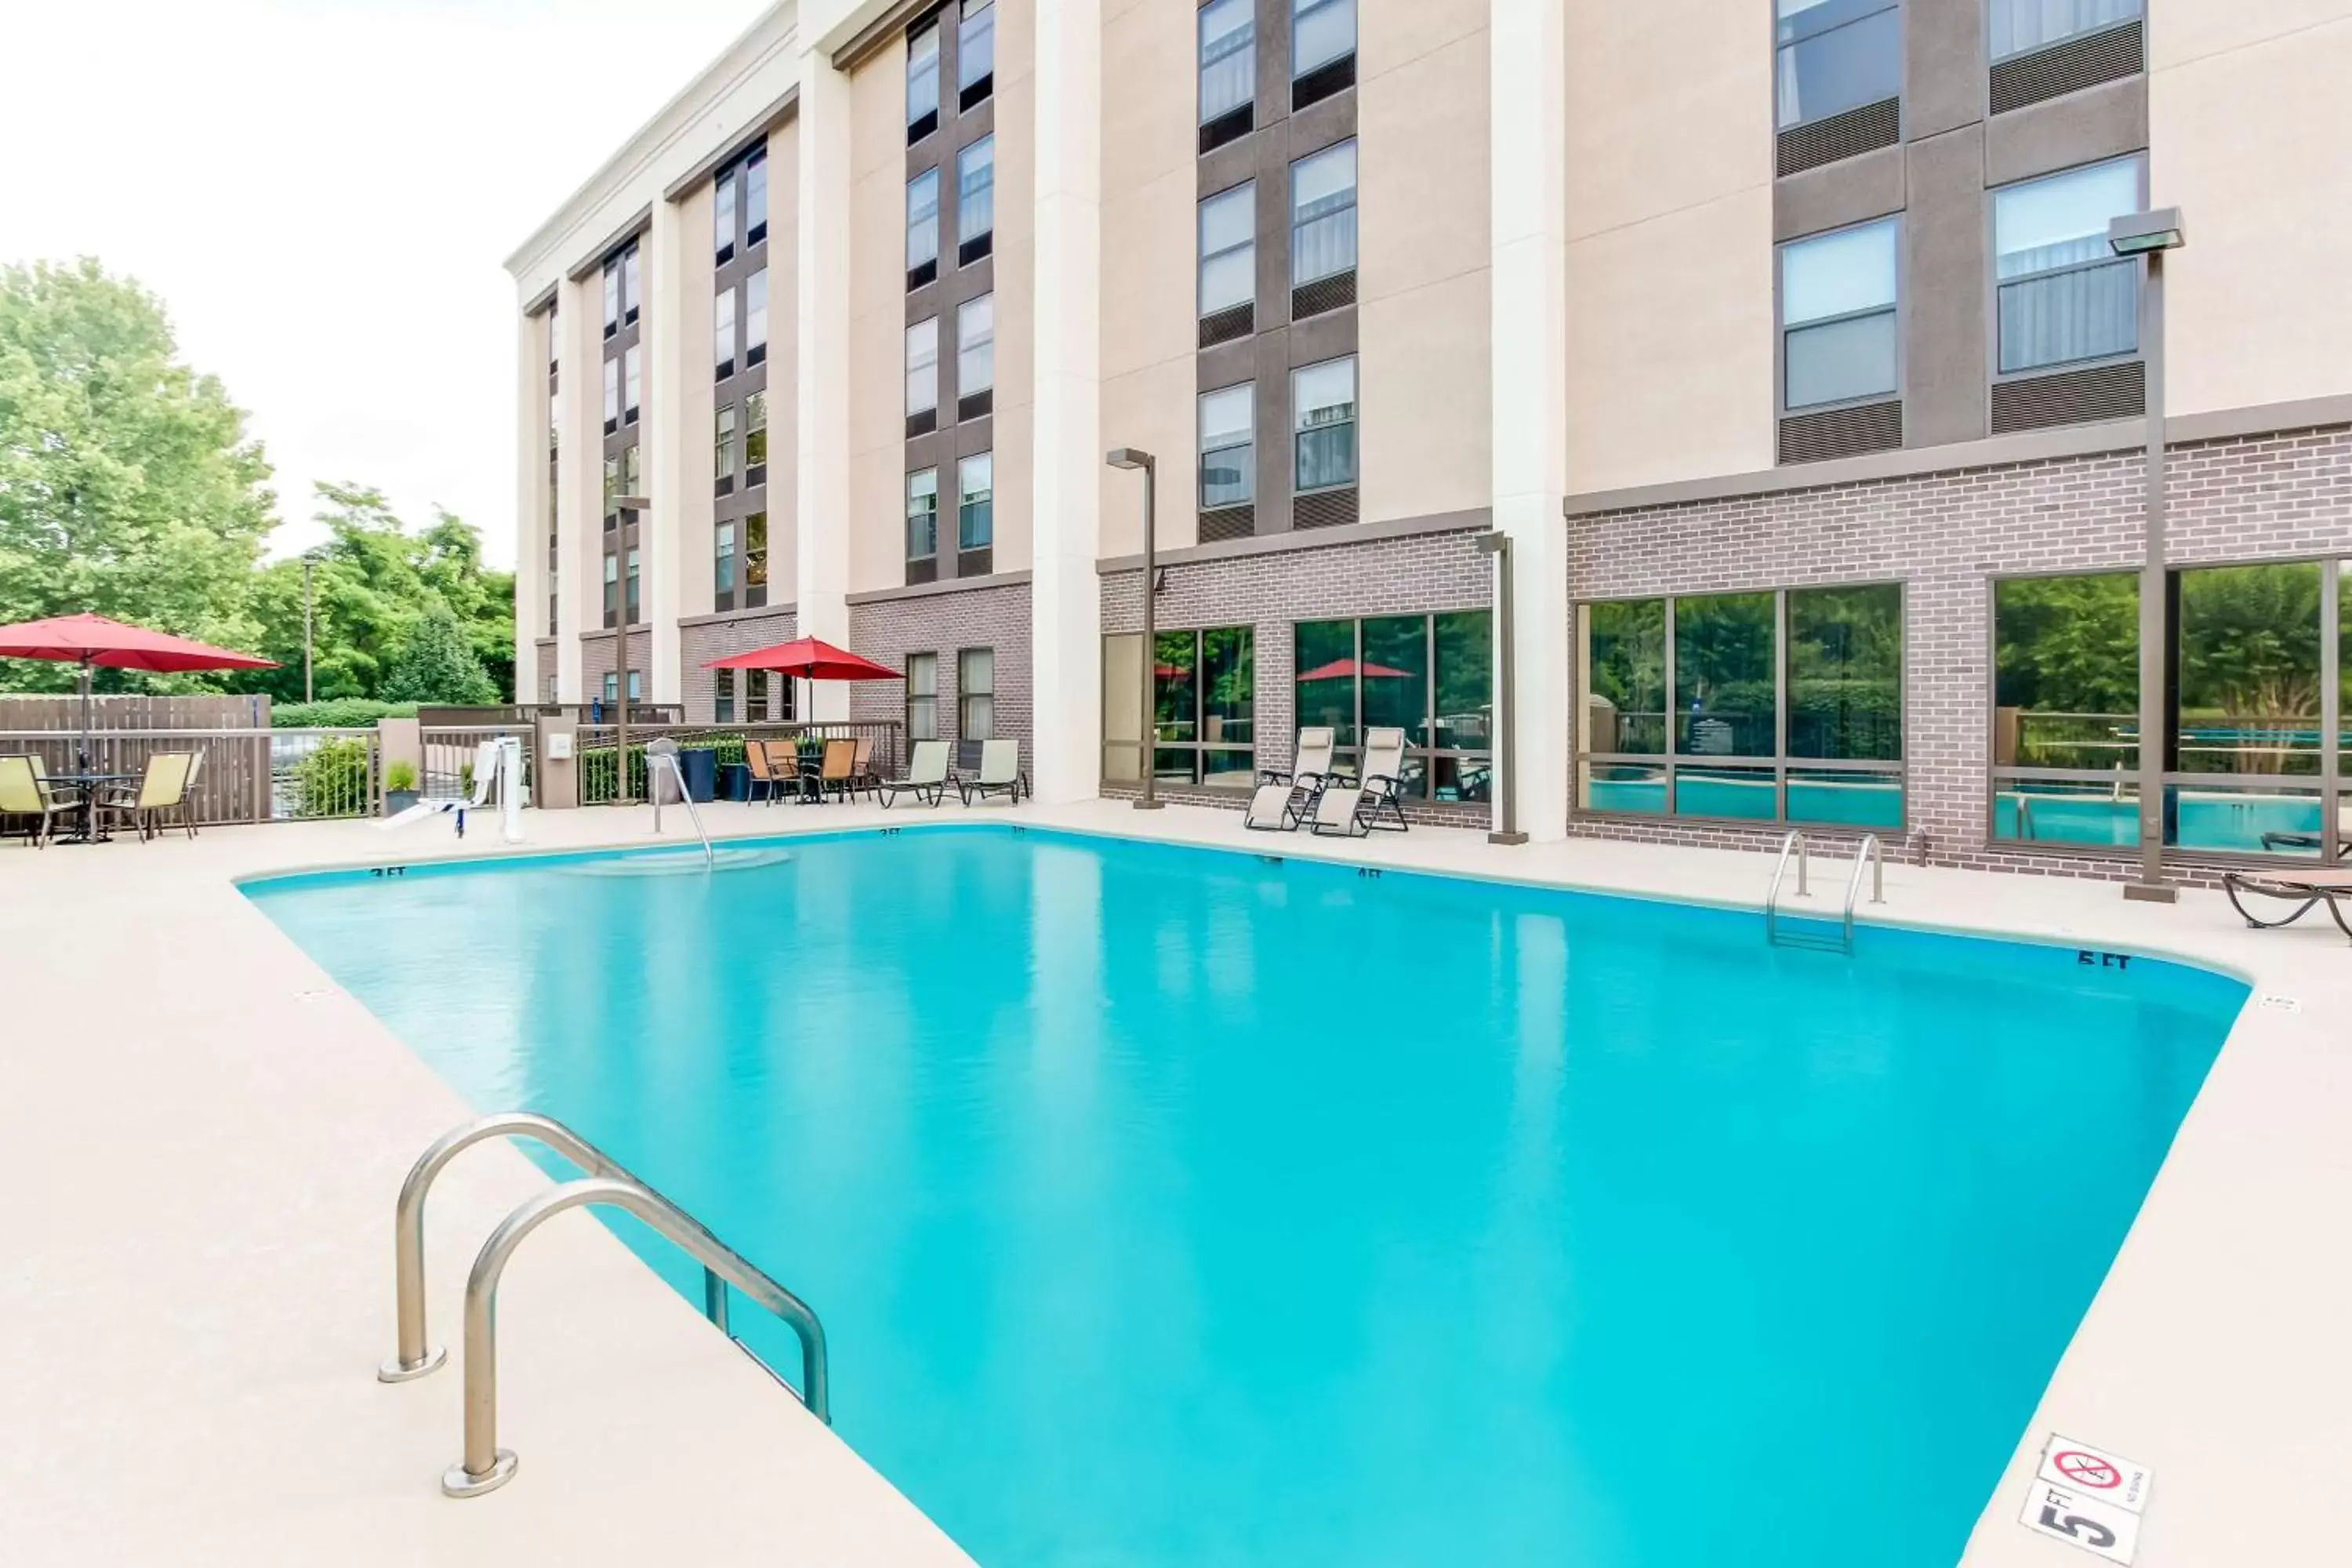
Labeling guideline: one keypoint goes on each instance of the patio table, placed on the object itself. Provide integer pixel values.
(90, 829)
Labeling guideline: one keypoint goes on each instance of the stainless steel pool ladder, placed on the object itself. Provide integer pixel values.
(1869, 854)
(660, 755)
(486, 1466)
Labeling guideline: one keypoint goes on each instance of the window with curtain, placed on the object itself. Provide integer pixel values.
(976, 694)
(976, 501)
(2019, 27)
(2064, 295)
(976, 346)
(975, 51)
(755, 318)
(1837, 316)
(923, 366)
(1321, 31)
(1228, 57)
(722, 571)
(922, 221)
(755, 695)
(1323, 405)
(922, 82)
(1836, 55)
(922, 514)
(1229, 248)
(722, 335)
(722, 455)
(1323, 214)
(922, 696)
(1228, 447)
(755, 198)
(976, 192)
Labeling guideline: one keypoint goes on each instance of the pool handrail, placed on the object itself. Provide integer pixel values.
(662, 755)
(1870, 853)
(486, 1466)
(1795, 842)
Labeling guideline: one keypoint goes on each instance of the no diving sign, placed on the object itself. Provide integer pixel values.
(2089, 1498)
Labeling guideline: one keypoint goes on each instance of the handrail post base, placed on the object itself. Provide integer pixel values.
(459, 1482)
(395, 1370)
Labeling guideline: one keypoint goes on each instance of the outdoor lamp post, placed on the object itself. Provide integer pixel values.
(1506, 784)
(2151, 233)
(1135, 457)
(621, 675)
(310, 560)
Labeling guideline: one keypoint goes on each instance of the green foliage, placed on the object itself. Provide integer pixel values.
(332, 781)
(400, 777)
(437, 664)
(337, 713)
(128, 486)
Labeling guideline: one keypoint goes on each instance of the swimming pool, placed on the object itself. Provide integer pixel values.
(1167, 1207)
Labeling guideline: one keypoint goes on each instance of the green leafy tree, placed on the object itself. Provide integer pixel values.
(128, 486)
(437, 664)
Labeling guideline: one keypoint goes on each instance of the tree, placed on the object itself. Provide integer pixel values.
(437, 664)
(128, 486)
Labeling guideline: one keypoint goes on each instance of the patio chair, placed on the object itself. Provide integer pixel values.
(163, 787)
(24, 792)
(862, 771)
(836, 773)
(1283, 800)
(1354, 810)
(2303, 890)
(999, 773)
(764, 773)
(927, 777)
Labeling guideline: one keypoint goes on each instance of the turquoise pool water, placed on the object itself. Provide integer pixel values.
(1168, 1207)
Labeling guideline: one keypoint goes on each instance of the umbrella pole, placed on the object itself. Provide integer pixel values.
(82, 760)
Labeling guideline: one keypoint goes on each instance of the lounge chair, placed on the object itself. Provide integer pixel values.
(1283, 800)
(763, 774)
(837, 770)
(925, 780)
(164, 787)
(2303, 890)
(999, 773)
(24, 792)
(1354, 810)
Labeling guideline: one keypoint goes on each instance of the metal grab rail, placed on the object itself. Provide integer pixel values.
(1793, 843)
(486, 1466)
(660, 755)
(1869, 854)
(1872, 854)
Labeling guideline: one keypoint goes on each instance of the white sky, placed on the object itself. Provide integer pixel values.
(323, 193)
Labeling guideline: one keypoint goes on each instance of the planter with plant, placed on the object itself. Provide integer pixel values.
(399, 788)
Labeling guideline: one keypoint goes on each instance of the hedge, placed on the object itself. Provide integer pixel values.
(338, 713)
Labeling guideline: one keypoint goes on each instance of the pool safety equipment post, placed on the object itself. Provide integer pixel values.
(1136, 457)
(1507, 784)
(2151, 233)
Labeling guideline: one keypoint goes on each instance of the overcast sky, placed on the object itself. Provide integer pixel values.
(324, 192)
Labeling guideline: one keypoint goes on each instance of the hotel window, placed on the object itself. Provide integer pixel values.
(922, 229)
(634, 374)
(975, 201)
(722, 337)
(1228, 280)
(755, 560)
(1228, 447)
(755, 199)
(756, 688)
(922, 375)
(632, 288)
(551, 689)
(922, 697)
(722, 570)
(634, 603)
(1322, 49)
(1203, 703)
(975, 356)
(1228, 63)
(922, 82)
(722, 457)
(755, 319)
(975, 52)
(1837, 312)
(1323, 228)
(2019, 26)
(633, 473)
(922, 514)
(1836, 55)
(976, 694)
(755, 439)
(612, 688)
(1430, 676)
(612, 297)
(2064, 295)
(612, 589)
(1760, 707)
(612, 491)
(612, 395)
(1323, 404)
(976, 501)
(722, 697)
(722, 219)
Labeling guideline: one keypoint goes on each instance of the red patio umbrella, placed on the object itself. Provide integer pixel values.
(93, 641)
(810, 659)
(1342, 668)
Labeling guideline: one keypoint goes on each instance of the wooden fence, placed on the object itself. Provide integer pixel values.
(248, 773)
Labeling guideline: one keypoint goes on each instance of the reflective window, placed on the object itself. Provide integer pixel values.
(975, 50)
(722, 336)
(1836, 55)
(612, 395)
(922, 218)
(635, 606)
(2064, 294)
(755, 198)
(723, 444)
(1429, 676)
(723, 563)
(1323, 214)
(923, 366)
(1229, 248)
(1203, 707)
(1846, 672)
(755, 318)
(632, 291)
(722, 218)
(922, 514)
(976, 190)
(1623, 710)
(755, 437)
(976, 501)
(923, 78)
(1321, 31)
(633, 375)
(1324, 678)
(1323, 405)
(612, 297)
(1838, 318)
(1228, 447)
(2015, 26)
(1724, 703)
(1228, 57)
(976, 345)
(755, 556)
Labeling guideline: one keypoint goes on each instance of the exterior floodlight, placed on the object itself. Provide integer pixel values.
(1127, 457)
(2137, 233)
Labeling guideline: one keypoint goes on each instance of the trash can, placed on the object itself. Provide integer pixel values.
(700, 765)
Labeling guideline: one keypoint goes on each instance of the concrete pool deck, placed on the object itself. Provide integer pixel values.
(205, 1135)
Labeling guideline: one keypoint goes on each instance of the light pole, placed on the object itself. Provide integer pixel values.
(1506, 782)
(1135, 457)
(309, 559)
(2151, 233)
(620, 795)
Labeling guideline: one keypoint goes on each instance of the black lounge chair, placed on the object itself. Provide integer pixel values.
(2305, 890)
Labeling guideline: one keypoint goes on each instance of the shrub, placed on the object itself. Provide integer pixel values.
(332, 781)
(401, 776)
(338, 713)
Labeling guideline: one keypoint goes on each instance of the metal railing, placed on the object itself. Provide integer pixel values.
(449, 751)
(598, 769)
(486, 1466)
(1869, 854)
(240, 775)
(661, 757)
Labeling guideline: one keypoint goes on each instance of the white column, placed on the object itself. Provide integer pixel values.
(821, 423)
(530, 506)
(580, 452)
(659, 432)
(1528, 69)
(1065, 595)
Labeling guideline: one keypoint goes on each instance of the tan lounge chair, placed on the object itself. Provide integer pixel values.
(999, 773)
(2305, 890)
(927, 777)
(1354, 810)
(164, 787)
(1283, 800)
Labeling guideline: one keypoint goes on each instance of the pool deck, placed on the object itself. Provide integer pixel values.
(204, 1135)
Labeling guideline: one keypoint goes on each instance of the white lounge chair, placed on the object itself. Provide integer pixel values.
(1354, 810)
(927, 777)
(1000, 773)
(1283, 800)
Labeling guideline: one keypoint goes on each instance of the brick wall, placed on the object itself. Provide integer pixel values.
(1269, 593)
(995, 618)
(596, 662)
(701, 643)
(1945, 537)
